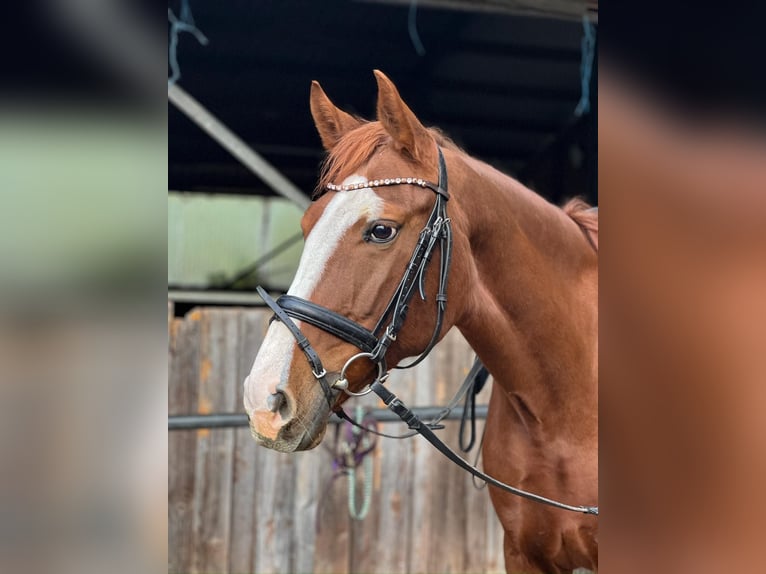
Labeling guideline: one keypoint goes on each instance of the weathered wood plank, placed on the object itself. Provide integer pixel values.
(389, 516)
(394, 519)
(366, 534)
(307, 493)
(243, 508)
(212, 493)
(333, 524)
(273, 492)
(477, 506)
(183, 372)
(495, 562)
(275, 502)
(448, 493)
(251, 331)
(236, 507)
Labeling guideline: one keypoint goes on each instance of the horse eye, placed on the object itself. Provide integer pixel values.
(382, 233)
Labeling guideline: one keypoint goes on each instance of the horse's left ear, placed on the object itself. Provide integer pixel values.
(409, 135)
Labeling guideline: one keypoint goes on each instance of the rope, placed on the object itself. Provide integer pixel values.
(178, 24)
(352, 449)
(587, 45)
(474, 381)
(412, 28)
(360, 514)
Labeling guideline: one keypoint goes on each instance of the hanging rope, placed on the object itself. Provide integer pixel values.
(178, 24)
(353, 448)
(366, 446)
(588, 48)
(412, 28)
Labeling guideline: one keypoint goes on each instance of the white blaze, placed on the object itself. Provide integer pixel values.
(272, 365)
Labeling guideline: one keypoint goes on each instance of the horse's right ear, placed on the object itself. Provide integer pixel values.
(331, 123)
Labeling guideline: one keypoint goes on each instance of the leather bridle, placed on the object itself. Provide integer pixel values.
(375, 344)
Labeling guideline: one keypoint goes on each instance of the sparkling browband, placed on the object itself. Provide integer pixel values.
(378, 183)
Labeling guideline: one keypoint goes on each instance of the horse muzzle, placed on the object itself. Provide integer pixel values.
(286, 418)
(285, 429)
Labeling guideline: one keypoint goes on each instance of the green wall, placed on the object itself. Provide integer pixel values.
(212, 237)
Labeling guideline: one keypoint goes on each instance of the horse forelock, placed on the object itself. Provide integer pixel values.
(357, 147)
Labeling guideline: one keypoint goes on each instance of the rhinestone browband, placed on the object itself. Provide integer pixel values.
(379, 183)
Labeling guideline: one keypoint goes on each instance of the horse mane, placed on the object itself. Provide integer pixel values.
(357, 147)
(585, 216)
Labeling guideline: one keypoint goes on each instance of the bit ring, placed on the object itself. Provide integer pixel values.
(342, 382)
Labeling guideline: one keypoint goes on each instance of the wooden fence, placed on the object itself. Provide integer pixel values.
(237, 507)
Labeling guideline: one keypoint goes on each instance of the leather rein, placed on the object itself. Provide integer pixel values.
(374, 344)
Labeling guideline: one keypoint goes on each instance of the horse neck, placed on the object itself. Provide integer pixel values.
(532, 315)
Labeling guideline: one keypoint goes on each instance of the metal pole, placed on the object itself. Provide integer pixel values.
(231, 420)
(235, 146)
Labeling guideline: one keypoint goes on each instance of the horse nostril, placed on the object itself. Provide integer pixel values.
(276, 402)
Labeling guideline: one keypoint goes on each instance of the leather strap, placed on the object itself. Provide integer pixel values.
(477, 378)
(414, 423)
(303, 343)
(466, 389)
(329, 321)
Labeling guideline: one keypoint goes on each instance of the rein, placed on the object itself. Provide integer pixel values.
(374, 344)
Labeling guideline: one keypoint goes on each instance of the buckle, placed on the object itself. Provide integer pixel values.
(319, 375)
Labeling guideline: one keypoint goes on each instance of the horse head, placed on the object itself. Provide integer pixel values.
(360, 233)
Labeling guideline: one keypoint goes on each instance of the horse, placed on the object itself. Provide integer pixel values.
(522, 288)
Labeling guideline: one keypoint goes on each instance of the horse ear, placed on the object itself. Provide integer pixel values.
(332, 123)
(410, 136)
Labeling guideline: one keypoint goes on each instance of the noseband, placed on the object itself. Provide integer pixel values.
(374, 344)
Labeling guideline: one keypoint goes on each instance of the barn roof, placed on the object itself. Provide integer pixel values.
(503, 84)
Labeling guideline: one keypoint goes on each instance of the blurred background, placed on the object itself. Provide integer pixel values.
(682, 278)
(83, 174)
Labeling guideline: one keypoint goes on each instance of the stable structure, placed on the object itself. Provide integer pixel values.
(239, 122)
(236, 507)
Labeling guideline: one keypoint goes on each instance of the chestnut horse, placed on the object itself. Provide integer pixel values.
(523, 290)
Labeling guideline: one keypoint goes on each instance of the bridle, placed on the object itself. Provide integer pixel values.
(375, 344)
